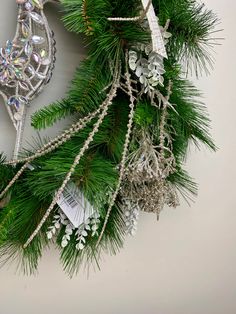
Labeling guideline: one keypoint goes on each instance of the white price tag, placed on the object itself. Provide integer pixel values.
(75, 206)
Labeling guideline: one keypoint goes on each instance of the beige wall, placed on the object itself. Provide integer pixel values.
(184, 264)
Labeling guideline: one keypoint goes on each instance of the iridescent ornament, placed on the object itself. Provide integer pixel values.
(26, 62)
(11, 64)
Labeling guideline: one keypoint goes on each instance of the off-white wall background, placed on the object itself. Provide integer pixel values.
(184, 264)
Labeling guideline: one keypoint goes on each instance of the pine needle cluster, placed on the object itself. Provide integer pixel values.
(192, 27)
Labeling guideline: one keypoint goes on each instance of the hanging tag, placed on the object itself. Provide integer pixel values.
(158, 45)
(75, 206)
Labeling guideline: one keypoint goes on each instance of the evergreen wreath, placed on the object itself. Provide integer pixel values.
(136, 115)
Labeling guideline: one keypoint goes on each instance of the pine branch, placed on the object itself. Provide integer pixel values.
(49, 115)
(193, 29)
(6, 172)
(184, 183)
(19, 219)
(85, 95)
(190, 121)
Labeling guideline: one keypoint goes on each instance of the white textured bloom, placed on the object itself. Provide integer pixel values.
(49, 235)
(64, 243)
(80, 246)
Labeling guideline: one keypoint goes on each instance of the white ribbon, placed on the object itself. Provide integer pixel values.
(157, 39)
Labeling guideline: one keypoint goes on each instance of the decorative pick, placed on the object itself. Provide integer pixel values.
(26, 63)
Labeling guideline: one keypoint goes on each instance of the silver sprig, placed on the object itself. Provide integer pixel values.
(146, 184)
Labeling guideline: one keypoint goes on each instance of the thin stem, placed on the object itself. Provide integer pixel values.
(85, 147)
(49, 147)
(125, 150)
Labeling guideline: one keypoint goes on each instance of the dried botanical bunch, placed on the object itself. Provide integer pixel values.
(146, 183)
